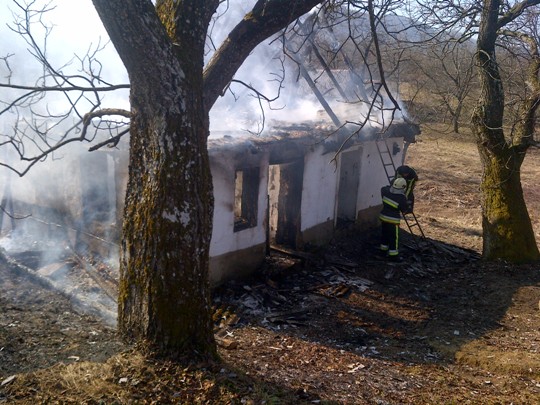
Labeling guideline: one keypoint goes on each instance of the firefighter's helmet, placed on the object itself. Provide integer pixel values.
(400, 183)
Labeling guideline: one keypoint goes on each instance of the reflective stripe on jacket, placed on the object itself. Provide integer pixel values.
(393, 206)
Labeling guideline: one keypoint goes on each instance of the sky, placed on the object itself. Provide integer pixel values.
(75, 20)
(76, 28)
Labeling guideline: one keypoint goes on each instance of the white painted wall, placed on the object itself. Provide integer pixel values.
(319, 194)
(372, 174)
(319, 189)
(224, 239)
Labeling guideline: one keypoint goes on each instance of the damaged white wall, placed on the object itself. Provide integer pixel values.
(237, 253)
(372, 178)
(319, 189)
(243, 249)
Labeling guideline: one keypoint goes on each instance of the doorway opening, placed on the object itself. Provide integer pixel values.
(284, 203)
(349, 180)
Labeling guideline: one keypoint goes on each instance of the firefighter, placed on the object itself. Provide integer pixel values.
(394, 203)
(410, 175)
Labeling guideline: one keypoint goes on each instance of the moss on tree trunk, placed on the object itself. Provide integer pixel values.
(508, 233)
(164, 294)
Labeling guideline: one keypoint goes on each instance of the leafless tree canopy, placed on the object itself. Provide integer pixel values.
(34, 124)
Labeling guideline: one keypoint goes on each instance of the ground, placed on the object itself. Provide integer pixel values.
(338, 325)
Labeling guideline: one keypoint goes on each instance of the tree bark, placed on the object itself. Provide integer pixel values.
(455, 122)
(507, 229)
(164, 299)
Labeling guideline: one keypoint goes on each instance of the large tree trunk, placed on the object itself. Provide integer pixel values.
(507, 228)
(164, 292)
(163, 295)
(164, 299)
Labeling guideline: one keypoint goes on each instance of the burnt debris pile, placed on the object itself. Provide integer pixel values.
(293, 288)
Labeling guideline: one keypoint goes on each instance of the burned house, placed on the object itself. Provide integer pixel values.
(294, 188)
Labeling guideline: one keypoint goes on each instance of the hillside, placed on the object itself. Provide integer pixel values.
(336, 326)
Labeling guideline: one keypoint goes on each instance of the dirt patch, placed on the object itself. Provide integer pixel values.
(340, 325)
(39, 326)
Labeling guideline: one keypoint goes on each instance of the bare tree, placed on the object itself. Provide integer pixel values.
(508, 232)
(164, 297)
(448, 73)
(49, 109)
(38, 129)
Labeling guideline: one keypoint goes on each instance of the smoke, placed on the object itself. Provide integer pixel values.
(61, 217)
(241, 108)
(268, 74)
(52, 212)
(246, 109)
(66, 34)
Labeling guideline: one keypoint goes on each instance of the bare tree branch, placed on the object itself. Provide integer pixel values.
(513, 13)
(39, 127)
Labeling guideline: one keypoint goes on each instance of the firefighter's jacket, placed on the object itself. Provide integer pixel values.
(410, 175)
(393, 205)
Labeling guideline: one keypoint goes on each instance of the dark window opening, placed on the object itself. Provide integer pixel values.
(246, 197)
